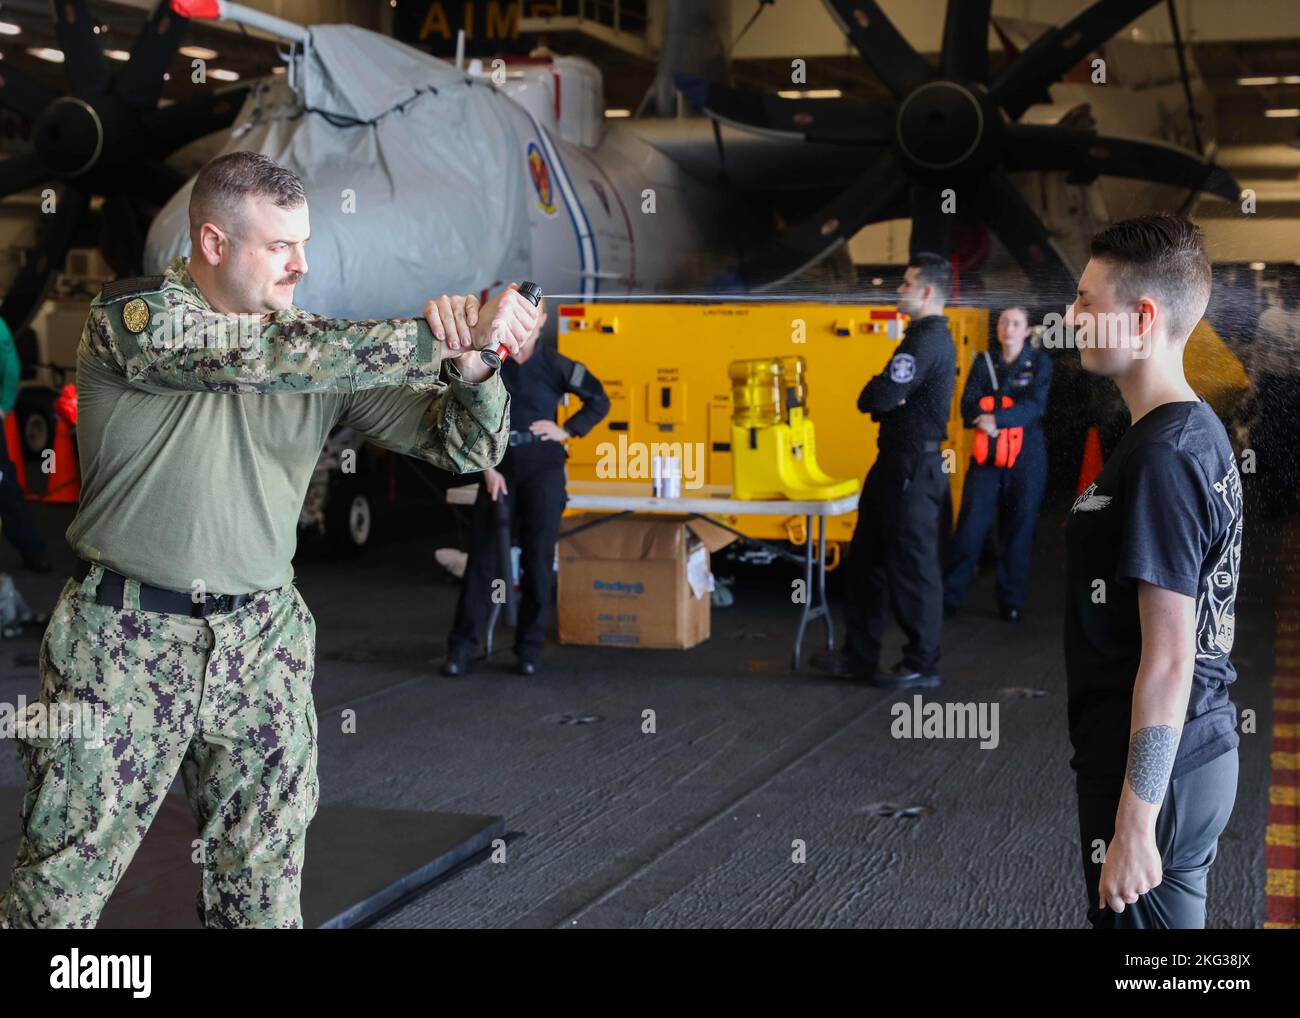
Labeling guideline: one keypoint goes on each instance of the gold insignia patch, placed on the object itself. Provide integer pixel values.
(135, 315)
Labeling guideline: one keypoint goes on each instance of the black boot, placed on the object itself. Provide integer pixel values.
(903, 676)
(457, 663)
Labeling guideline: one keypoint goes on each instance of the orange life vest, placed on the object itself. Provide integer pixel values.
(1009, 439)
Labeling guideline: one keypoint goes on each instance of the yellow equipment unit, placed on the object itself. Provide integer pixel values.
(665, 367)
(773, 444)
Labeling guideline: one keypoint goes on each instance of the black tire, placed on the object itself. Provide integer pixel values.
(349, 516)
(35, 409)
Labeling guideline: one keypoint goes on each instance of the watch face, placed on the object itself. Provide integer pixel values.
(491, 358)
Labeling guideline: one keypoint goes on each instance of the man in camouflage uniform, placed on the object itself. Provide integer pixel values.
(182, 628)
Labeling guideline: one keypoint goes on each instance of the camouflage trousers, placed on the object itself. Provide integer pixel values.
(225, 700)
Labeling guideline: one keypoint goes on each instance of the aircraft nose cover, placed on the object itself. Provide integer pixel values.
(415, 179)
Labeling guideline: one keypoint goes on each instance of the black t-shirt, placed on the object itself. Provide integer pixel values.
(1166, 508)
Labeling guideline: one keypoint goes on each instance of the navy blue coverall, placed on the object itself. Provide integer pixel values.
(1011, 494)
(535, 498)
(893, 560)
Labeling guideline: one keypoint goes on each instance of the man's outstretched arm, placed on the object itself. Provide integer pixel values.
(183, 347)
(1160, 695)
(461, 426)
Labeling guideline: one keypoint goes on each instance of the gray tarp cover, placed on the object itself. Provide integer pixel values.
(438, 179)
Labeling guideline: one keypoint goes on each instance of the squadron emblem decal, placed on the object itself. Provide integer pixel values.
(135, 315)
(541, 175)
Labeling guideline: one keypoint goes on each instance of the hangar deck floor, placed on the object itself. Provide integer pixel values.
(695, 825)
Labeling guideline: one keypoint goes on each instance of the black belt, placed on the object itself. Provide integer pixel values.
(524, 438)
(157, 599)
(904, 449)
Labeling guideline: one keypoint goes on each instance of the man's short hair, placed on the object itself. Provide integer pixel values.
(933, 270)
(225, 182)
(1162, 256)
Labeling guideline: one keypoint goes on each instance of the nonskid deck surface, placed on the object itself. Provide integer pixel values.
(749, 767)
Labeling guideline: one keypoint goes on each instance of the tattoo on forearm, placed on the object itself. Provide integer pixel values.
(1151, 760)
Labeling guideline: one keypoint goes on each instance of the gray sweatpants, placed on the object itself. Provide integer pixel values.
(1195, 812)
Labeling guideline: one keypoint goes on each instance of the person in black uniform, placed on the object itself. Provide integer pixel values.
(1004, 400)
(530, 482)
(893, 558)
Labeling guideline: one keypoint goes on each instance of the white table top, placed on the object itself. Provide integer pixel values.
(709, 500)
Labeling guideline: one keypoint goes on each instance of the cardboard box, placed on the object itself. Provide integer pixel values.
(637, 581)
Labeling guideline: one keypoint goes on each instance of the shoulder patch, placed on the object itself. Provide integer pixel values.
(902, 368)
(119, 288)
(578, 374)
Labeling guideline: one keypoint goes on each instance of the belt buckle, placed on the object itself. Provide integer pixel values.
(212, 604)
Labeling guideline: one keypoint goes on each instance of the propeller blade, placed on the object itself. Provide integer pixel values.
(124, 235)
(1022, 232)
(56, 231)
(886, 52)
(84, 62)
(931, 226)
(22, 93)
(966, 40)
(872, 198)
(21, 172)
(173, 127)
(140, 82)
(1058, 49)
(1086, 155)
(835, 121)
(150, 183)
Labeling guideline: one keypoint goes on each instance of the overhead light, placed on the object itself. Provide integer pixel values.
(54, 56)
(167, 76)
(1257, 266)
(278, 70)
(198, 52)
(9, 28)
(1291, 79)
(876, 281)
(1265, 79)
(618, 113)
(221, 74)
(117, 54)
(811, 93)
(1282, 113)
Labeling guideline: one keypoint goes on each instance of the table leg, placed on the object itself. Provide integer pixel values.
(807, 614)
(815, 604)
(491, 628)
(821, 582)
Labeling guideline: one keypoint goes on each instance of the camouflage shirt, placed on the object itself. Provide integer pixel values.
(198, 431)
